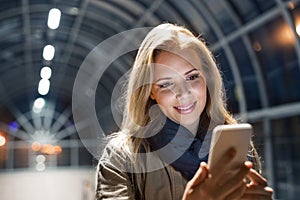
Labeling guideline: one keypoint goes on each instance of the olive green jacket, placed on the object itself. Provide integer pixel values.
(116, 179)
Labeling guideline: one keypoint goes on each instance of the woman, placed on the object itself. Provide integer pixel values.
(174, 99)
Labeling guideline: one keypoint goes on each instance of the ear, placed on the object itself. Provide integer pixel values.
(152, 96)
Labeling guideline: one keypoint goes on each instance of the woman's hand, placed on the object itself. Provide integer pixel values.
(215, 183)
(192, 187)
(257, 188)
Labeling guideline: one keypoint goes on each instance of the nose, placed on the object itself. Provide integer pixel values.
(183, 89)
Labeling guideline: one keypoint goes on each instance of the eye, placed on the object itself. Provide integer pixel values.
(192, 77)
(165, 85)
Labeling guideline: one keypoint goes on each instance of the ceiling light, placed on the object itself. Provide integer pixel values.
(46, 72)
(38, 104)
(48, 52)
(2, 140)
(40, 167)
(54, 18)
(44, 86)
(40, 158)
(36, 146)
(298, 29)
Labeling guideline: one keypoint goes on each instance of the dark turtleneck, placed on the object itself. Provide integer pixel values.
(177, 146)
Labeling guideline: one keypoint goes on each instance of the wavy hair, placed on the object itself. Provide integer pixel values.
(170, 37)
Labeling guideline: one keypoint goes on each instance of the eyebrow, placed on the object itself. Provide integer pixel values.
(186, 73)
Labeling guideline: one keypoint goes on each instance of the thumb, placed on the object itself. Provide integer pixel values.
(201, 174)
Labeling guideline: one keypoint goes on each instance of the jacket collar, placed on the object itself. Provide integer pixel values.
(177, 146)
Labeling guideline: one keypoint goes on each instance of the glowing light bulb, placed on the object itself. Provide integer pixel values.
(44, 86)
(54, 18)
(46, 73)
(38, 104)
(48, 52)
(2, 140)
(298, 29)
(40, 159)
(36, 146)
(40, 167)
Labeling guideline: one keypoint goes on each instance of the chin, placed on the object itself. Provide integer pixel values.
(188, 122)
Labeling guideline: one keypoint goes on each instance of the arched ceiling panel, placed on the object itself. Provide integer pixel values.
(86, 23)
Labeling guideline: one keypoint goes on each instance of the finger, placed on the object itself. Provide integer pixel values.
(224, 161)
(238, 193)
(259, 190)
(256, 197)
(234, 182)
(256, 178)
(200, 175)
(238, 174)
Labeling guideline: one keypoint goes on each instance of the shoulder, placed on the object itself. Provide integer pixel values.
(113, 181)
(116, 150)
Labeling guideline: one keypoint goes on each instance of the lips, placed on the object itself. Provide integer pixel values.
(185, 109)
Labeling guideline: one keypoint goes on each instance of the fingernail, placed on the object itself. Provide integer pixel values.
(248, 164)
(269, 189)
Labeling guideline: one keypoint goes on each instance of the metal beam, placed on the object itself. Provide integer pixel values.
(282, 111)
(289, 19)
(229, 54)
(268, 142)
(262, 19)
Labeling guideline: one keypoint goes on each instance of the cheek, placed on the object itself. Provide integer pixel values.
(199, 92)
(164, 97)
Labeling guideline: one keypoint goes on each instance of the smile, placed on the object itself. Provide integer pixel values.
(186, 109)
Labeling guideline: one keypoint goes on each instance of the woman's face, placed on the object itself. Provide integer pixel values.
(179, 88)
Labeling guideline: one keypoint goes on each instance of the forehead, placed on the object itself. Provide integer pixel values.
(176, 62)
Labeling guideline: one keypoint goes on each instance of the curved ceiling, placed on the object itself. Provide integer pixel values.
(230, 27)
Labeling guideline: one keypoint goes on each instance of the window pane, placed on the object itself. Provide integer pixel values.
(229, 83)
(247, 74)
(63, 159)
(85, 158)
(286, 154)
(274, 44)
(248, 10)
(21, 157)
(3, 156)
(221, 15)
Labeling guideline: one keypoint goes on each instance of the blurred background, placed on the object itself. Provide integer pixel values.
(44, 42)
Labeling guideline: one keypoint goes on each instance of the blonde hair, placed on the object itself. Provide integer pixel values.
(137, 97)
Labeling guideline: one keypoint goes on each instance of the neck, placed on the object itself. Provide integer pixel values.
(193, 128)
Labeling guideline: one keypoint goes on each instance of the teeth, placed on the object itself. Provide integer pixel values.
(185, 108)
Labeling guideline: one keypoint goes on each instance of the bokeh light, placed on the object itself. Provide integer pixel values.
(2, 140)
(36, 146)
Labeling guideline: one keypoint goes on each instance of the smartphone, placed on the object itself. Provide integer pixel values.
(227, 136)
